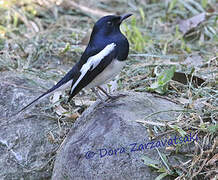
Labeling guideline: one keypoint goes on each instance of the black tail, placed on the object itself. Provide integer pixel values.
(69, 76)
(27, 106)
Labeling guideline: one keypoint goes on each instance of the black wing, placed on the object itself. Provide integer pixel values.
(91, 73)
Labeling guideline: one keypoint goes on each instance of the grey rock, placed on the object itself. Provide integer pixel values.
(25, 151)
(111, 130)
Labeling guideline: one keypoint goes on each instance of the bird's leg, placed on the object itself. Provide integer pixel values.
(109, 96)
(99, 97)
(105, 92)
(97, 94)
(107, 104)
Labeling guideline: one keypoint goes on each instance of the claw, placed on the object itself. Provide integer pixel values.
(113, 98)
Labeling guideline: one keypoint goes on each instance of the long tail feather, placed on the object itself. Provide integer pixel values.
(30, 104)
(63, 82)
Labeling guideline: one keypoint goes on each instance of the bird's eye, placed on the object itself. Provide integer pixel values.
(109, 23)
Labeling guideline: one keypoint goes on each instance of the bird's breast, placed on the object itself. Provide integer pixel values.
(107, 74)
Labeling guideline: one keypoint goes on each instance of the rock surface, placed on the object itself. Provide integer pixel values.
(26, 152)
(100, 142)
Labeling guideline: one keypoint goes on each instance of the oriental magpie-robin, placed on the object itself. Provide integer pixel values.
(101, 61)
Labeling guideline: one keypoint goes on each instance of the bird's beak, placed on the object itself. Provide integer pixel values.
(125, 16)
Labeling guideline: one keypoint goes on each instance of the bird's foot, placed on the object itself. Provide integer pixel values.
(114, 97)
(110, 97)
(110, 104)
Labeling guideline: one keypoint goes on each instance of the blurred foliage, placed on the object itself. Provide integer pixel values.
(161, 84)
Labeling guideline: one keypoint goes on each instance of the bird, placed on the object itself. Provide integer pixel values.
(102, 60)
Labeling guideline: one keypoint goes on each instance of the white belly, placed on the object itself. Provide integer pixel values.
(109, 73)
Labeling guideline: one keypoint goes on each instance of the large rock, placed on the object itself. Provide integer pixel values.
(97, 147)
(100, 142)
(26, 152)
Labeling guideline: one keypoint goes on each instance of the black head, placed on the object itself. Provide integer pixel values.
(108, 25)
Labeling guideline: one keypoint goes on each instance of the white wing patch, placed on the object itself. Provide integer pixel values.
(93, 62)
